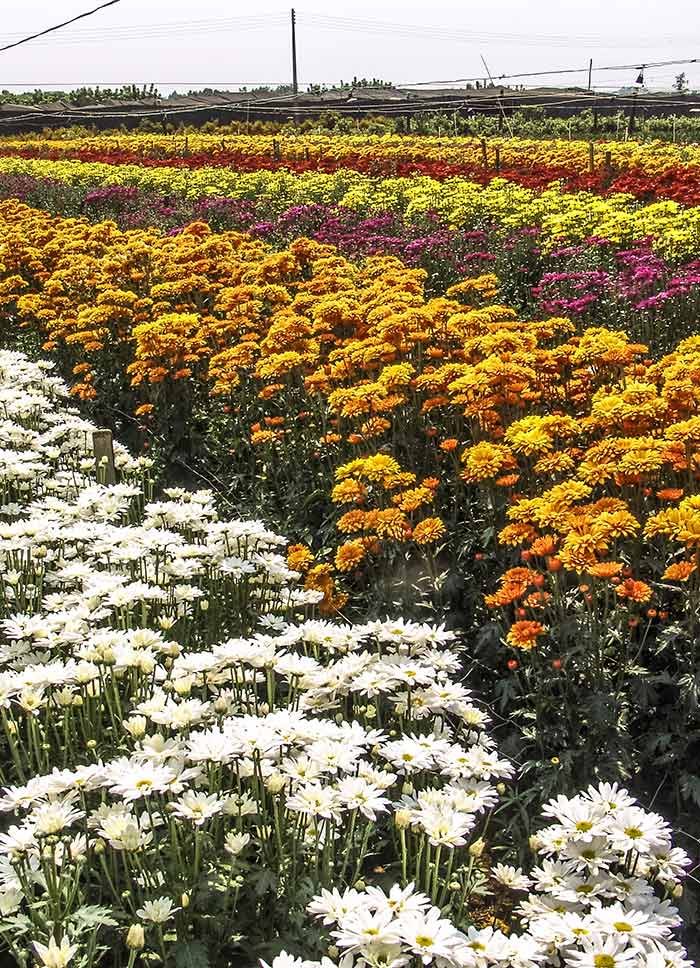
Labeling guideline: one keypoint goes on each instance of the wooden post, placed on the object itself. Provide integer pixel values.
(591, 157)
(607, 169)
(103, 447)
(484, 153)
(307, 154)
(498, 158)
(276, 149)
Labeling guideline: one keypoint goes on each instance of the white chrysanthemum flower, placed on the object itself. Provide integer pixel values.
(55, 955)
(158, 911)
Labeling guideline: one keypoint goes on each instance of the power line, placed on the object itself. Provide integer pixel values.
(219, 23)
(156, 31)
(66, 23)
(566, 70)
(324, 21)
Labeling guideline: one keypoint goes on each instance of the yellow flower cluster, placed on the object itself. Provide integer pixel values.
(562, 216)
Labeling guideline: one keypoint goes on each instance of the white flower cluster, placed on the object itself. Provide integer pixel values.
(601, 898)
(176, 728)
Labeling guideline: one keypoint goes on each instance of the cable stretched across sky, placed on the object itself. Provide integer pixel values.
(66, 23)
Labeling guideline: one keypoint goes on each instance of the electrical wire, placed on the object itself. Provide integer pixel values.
(66, 23)
(639, 65)
(323, 21)
(156, 32)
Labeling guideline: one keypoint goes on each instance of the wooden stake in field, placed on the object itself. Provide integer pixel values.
(103, 447)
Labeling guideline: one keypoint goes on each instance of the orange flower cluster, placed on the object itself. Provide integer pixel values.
(579, 447)
(399, 496)
(605, 471)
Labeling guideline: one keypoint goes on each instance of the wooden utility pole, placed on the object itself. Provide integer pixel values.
(633, 115)
(295, 82)
(590, 72)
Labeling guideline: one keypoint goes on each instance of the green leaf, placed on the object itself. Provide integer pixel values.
(192, 954)
(690, 787)
(93, 916)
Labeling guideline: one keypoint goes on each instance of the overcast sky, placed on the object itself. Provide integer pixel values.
(223, 43)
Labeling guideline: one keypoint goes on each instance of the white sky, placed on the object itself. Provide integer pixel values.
(224, 42)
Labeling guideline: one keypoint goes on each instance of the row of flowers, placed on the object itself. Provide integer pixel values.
(404, 433)
(561, 217)
(593, 282)
(196, 769)
(643, 171)
(651, 157)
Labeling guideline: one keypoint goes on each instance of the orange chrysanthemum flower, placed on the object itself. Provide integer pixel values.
(352, 521)
(450, 444)
(544, 546)
(349, 555)
(670, 494)
(680, 571)
(635, 591)
(428, 531)
(299, 557)
(523, 635)
(605, 569)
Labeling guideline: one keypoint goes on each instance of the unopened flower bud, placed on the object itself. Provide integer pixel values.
(275, 782)
(477, 848)
(408, 788)
(677, 891)
(185, 900)
(204, 605)
(501, 788)
(359, 885)
(534, 842)
(455, 886)
(135, 938)
(402, 819)
(333, 952)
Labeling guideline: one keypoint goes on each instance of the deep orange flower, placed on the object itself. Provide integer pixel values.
(680, 571)
(635, 591)
(605, 569)
(449, 444)
(670, 494)
(523, 635)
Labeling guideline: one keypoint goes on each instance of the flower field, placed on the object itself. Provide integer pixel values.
(452, 715)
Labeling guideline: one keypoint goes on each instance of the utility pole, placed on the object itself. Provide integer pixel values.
(590, 72)
(295, 82)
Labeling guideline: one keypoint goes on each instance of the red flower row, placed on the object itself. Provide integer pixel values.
(680, 183)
